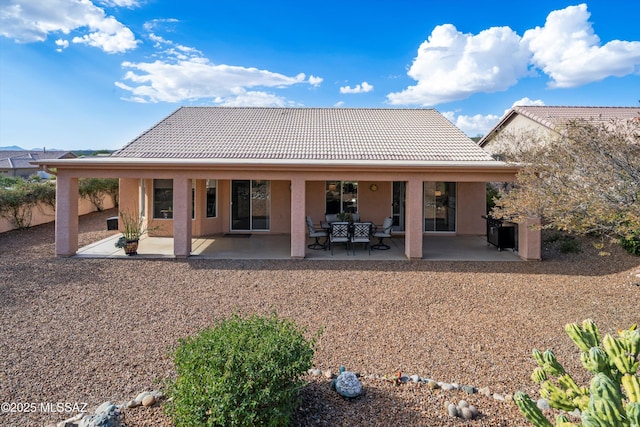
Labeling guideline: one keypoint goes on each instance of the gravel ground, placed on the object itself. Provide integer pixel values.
(91, 330)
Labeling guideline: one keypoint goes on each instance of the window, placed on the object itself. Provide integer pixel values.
(212, 212)
(163, 198)
(439, 206)
(193, 199)
(341, 196)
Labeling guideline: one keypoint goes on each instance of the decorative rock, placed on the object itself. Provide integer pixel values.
(347, 384)
(469, 389)
(485, 391)
(148, 400)
(107, 415)
(474, 410)
(462, 410)
(452, 409)
(466, 413)
(141, 396)
(499, 397)
(543, 405)
(328, 373)
(316, 372)
(133, 404)
(446, 386)
(415, 378)
(508, 397)
(433, 385)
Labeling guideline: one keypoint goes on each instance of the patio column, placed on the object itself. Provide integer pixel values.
(181, 217)
(413, 221)
(298, 226)
(66, 215)
(530, 239)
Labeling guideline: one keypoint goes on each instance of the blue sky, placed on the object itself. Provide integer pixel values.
(97, 73)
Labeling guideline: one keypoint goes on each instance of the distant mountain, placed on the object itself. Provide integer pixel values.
(12, 148)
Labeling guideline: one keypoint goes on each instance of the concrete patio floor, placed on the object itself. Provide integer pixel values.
(256, 246)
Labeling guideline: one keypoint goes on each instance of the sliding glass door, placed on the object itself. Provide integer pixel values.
(439, 206)
(250, 205)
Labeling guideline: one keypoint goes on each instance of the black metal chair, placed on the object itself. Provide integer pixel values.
(361, 233)
(313, 232)
(385, 231)
(339, 233)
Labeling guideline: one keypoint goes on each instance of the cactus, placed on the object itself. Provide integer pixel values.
(614, 363)
(633, 414)
(530, 411)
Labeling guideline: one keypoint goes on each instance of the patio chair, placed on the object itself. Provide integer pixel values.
(385, 231)
(361, 233)
(339, 233)
(313, 232)
(331, 218)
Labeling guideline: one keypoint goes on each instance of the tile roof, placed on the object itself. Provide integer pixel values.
(21, 159)
(553, 116)
(305, 134)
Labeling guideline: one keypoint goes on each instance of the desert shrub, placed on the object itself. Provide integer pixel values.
(631, 245)
(18, 200)
(243, 371)
(94, 190)
(570, 246)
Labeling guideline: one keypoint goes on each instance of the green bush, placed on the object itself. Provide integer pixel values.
(570, 246)
(631, 245)
(243, 371)
(94, 190)
(19, 197)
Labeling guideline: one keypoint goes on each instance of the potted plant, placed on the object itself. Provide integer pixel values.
(345, 216)
(133, 227)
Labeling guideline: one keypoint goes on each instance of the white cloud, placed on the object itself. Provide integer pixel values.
(451, 65)
(182, 73)
(196, 78)
(528, 101)
(480, 124)
(28, 21)
(363, 88)
(315, 81)
(121, 3)
(155, 23)
(569, 51)
(62, 44)
(243, 98)
(472, 125)
(339, 104)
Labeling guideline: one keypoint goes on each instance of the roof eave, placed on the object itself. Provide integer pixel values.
(270, 164)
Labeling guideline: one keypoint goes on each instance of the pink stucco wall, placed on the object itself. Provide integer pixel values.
(43, 214)
(373, 205)
(471, 207)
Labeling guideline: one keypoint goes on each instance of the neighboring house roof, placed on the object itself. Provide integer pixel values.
(305, 134)
(21, 159)
(551, 117)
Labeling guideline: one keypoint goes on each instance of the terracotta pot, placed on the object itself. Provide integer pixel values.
(131, 247)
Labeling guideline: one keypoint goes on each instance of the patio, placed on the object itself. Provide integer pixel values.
(256, 246)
